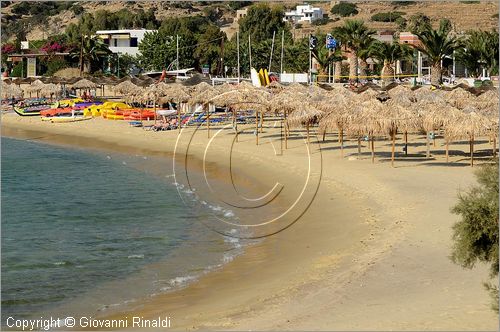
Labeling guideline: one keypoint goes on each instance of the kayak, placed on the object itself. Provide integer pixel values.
(31, 111)
(64, 119)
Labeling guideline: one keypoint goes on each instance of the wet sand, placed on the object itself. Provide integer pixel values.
(370, 252)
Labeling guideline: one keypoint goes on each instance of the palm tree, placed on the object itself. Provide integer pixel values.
(479, 48)
(365, 51)
(389, 53)
(91, 49)
(437, 44)
(352, 35)
(324, 58)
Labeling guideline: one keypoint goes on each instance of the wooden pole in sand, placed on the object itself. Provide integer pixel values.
(447, 150)
(179, 117)
(392, 150)
(406, 143)
(472, 151)
(494, 146)
(324, 135)
(428, 153)
(286, 132)
(235, 124)
(359, 147)
(261, 122)
(207, 106)
(256, 127)
(307, 129)
(341, 135)
(373, 149)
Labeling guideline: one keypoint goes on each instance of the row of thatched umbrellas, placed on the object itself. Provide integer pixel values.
(458, 113)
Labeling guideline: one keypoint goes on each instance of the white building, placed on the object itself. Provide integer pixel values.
(123, 41)
(303, 13)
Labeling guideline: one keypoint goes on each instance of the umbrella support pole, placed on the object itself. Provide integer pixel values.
(359, 147)
(261, 122)
(178, 118)
(256, 128)
(341, 135)
(447, 151)
(392, 149)
(373, 149)
(494, 146)
(428, 153)
(406, 143)
(208, 121)
(472, 151)
(324, 134)
(307, 129)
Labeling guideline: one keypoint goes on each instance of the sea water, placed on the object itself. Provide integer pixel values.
(88, 231)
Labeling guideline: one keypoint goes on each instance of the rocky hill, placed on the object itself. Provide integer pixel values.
(464, 15)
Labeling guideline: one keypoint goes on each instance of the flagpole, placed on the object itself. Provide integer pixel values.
(238, 48)
(282, 47)
(272, 50)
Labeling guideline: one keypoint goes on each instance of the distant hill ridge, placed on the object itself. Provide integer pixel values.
(464, 15)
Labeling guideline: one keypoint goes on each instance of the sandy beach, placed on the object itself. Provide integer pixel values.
(369, 253)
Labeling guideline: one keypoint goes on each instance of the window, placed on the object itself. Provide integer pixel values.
(106, 41)
(115, 42)
(133, 42)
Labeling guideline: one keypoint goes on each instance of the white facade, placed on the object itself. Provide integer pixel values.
(304, 13)
(123, 41)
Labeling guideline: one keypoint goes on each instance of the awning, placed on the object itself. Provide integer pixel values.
(127, 36)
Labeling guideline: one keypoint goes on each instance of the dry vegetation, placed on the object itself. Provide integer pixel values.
(465, 16)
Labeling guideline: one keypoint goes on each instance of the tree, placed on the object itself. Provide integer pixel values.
(157, 50)
(437, 44)
(352, 35)
(324, 58)
(344, 9)
(388, 54)
(475, 236)
(365, 52)
(418, 23)
(261, 21)
(90, 51)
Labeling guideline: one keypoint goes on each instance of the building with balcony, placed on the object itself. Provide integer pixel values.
(123, 41)
(408, 38)
(303, 13)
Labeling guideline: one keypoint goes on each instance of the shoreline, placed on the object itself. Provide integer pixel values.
(327, 257)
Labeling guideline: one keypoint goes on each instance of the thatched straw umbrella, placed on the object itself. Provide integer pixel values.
(367, 95)
(471, 125)
(35, 86)
(84, 84)
(175, 93)
(429, 121)
(401, 91)
(242, 94)
(458, 97)
(50, 90)
(287, 101)
(362, 119)
(336, 108)
(11, 91)
(448, 116)
(304, 114)
(125, 87)
(153, 93)
(202, 94)
(394, 118)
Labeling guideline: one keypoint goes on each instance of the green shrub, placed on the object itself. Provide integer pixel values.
(17, 70)
(344, 9)
(55, 65)
(476, 234)
(387, 17)
(403, 3)
(77, 9)
(321, 21)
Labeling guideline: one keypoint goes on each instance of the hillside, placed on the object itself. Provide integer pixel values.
(464, 15)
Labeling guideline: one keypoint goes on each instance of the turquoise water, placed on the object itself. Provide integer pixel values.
(83, 232)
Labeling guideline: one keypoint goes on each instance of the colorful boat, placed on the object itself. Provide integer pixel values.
(31, 110)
